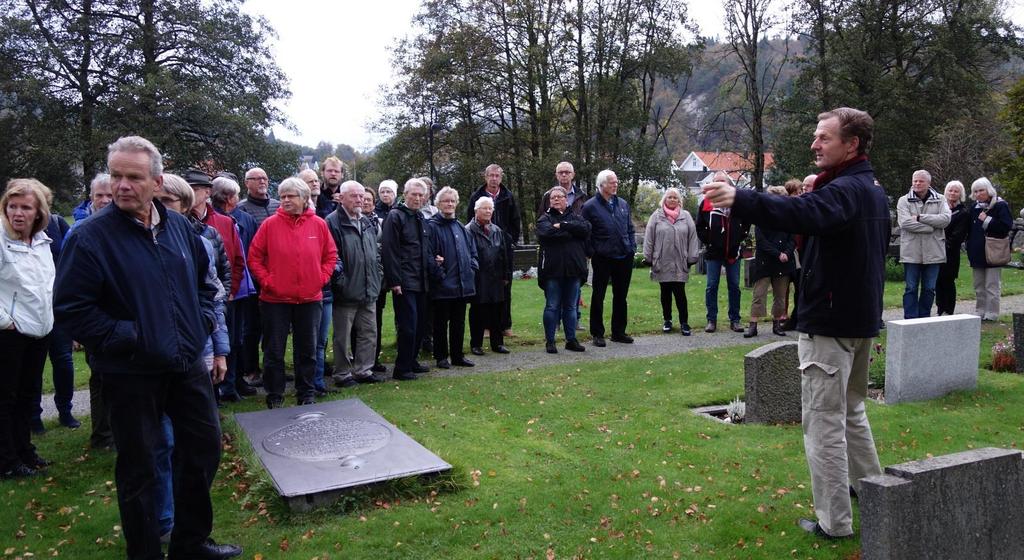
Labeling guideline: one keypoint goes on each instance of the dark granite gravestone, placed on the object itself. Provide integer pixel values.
(315, 453)
(772, 384)
(952, 507)
(1018, 340)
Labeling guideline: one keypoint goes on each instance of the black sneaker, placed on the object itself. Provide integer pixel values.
(599, 342)
(477, 351)
(684, 329)
(574, 346)
(622, 338)
(500, 349)
(373, 378)
(406, 376)
(444, 364)
(420, 368)
(378, 368)
(549, 347)
(666, 327)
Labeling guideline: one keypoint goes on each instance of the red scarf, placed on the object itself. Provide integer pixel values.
(829, 175)
(672, 215)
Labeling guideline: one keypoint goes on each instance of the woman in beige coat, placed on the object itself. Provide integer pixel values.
(671, 246)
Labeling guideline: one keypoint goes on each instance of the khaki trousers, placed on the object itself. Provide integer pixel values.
(837, 437)
(987, 288)
(780, 295)
(354, 362)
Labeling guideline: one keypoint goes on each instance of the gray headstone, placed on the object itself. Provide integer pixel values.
(772, 384)
(960, 506)
(929, 357)
(315, 453)
(1018, 339)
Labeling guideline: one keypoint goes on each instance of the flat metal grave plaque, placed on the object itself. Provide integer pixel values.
(314, 453)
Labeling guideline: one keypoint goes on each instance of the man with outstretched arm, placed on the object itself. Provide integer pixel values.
(847, 220)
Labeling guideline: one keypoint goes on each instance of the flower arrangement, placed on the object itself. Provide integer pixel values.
(1003, 358)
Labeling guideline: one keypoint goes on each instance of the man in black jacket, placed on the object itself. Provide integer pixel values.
(404, 253)
(613, 240)
(132, 289)
(506, 216)
(847, 219)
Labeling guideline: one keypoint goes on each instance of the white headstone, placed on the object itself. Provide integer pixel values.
(929, 357)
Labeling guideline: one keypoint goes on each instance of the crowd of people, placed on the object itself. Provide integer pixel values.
(176, 287)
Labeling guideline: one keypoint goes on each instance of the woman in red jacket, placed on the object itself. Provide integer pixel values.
(292, 257)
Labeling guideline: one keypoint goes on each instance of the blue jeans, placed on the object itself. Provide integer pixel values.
(919, 305)
(63, 367)
(321, 344)
(560, 296)
(165, 478)
(732, 279)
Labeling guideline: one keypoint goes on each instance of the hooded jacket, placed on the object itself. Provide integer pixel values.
(357, 249)
(455, 278)
(292, 257)
(404, 249)
(26, 284)
(137, 299)
(843, 261)
(922, 227)
(506, 211)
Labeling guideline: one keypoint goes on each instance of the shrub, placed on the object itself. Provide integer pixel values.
(893, 270)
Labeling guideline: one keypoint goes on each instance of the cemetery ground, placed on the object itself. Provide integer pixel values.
(644, 313)
(565, 461)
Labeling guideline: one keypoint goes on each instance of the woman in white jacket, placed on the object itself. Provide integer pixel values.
(26, 318)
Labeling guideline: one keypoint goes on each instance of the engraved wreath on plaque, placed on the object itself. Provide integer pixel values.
(315, 438)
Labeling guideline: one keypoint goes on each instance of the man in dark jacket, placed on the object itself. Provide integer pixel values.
(614, 244)
(721, 234)
(506, 216)
(565, 176)
(847, 219)
(132, 289)
(332, 171)
(258, 203)
(356, 289)
(405, 255)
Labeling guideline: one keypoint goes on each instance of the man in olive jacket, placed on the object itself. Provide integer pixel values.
(355, 288)
(846, 217)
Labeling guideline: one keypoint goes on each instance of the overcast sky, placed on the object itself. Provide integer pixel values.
(336, 80)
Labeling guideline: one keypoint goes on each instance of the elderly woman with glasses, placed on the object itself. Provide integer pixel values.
(561, 266)
(293, 256)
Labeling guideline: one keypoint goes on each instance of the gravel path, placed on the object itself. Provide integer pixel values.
(533, 357)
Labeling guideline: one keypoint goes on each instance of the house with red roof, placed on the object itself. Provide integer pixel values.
(699, 168)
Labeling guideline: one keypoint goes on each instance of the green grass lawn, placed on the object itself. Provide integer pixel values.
(561, 462)
(644, 311)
